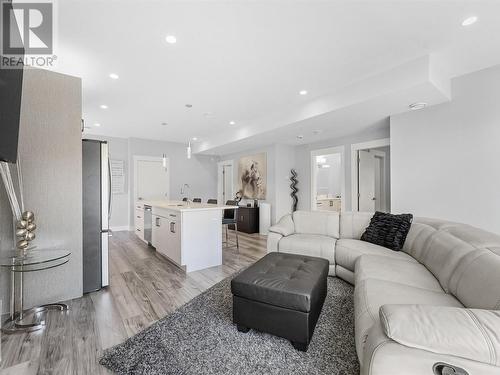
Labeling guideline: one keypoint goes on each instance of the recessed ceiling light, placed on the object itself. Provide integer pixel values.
(232, 123)
(97, 124)
(194, 139)
(171, 39)
(189, 105)
(469, 21)
(416, 106)
(114, 76)
(164, 124)
(104, 106)
(303, 92)
(300, 137)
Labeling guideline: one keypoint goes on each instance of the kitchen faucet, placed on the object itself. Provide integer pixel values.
(183, 191)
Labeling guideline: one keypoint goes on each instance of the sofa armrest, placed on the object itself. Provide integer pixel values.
(468, 333)
(273, 240)
(285, 226)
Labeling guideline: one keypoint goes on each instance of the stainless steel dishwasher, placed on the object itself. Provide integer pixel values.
(148, 224)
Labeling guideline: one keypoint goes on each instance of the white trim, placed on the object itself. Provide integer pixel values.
(355, 147)
(326, 151)
(121, 228)
(220, 166)
(105, 187)
(383, 191)
(105, 259)
(149, 158)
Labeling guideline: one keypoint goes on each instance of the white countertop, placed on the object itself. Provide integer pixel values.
(186, 206)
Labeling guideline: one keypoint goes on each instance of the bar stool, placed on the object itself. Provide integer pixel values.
(231, 218)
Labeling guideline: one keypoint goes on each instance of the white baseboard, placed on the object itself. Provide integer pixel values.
(120, 229)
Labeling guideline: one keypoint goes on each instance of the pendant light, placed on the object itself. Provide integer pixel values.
(189, 150)
(164, 161)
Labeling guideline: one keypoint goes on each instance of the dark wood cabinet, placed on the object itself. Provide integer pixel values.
(248, 219)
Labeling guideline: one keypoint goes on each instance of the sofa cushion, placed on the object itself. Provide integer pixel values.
(388, 230)
(371, 294)
(432, 245)
(476, 280)
(465, 260)
(285, 226)
(399, 271)
(467, 333)
(353, 224)
(317, 222)
(383, 356)
(421, 230)
(347, 251)
(309, 244)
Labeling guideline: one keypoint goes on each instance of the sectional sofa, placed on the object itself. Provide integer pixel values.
(432, 308)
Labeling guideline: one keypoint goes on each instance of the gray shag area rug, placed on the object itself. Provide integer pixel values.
(200, 338)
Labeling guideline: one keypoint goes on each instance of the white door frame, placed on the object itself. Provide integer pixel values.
(138, 158)
(383, 188)
(326, 151)
(355, 147)
(220, 180)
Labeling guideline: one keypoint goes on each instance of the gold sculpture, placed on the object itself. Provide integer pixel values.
(25, 230)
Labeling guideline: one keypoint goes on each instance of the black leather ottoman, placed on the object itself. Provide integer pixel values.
(281, 294)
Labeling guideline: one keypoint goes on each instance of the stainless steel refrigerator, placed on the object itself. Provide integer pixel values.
(96, 211)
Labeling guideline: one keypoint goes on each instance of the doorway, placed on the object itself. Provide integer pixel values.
(371, 177)
(327, 179)
(225, 183)
(151, 178)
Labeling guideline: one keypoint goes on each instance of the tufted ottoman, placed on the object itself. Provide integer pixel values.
(281, 294)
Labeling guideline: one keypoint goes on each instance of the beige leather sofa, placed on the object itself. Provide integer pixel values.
(435, 302)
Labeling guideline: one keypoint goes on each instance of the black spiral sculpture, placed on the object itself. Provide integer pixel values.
(293, 186)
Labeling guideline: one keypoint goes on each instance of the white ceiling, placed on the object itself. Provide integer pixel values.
(246, 61)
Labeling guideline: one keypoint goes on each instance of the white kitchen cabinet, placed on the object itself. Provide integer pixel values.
(188, 234)
(174, 239)
(139, 220)
(160, 234)
(167, 235)
(155, 232)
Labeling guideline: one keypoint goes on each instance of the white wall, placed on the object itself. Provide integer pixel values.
(303, 161)
(280, 160)
(270, 154)
(445, 159)
(118, 149)
(200, 172)
(284, 162)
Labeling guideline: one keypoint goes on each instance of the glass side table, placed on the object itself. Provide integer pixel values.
(21, 320)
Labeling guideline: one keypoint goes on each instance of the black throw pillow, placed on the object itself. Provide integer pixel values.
(388, 230)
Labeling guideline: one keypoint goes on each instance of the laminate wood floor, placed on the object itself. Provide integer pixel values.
(144, 287)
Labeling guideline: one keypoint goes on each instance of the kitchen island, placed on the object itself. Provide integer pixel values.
(188, 234)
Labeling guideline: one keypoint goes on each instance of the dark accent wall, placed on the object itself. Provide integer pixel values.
(51, 156)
